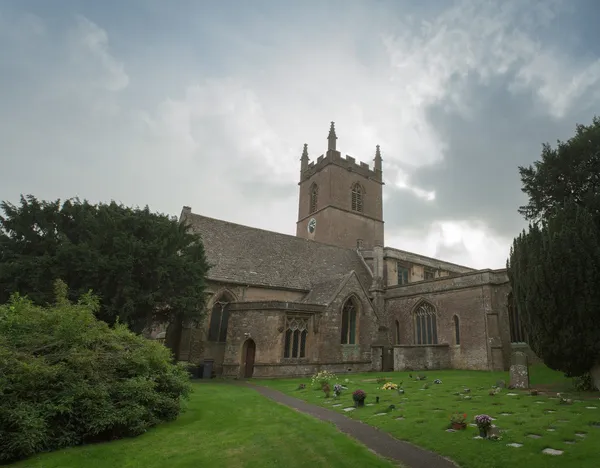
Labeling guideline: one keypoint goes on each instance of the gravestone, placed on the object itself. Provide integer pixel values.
(519, 371)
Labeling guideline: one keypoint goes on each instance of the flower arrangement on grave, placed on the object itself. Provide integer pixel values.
(301, 386)
(563, 401)
(437, 381)
(458, 421)
(321, 378)
(337, 389)
(484, 422)
(326, 390)
(389, 386)
(359, 397)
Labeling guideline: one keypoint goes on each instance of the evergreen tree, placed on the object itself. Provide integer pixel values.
(571, 171)
(145, 267)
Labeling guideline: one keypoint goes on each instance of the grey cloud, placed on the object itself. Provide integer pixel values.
(479, 179)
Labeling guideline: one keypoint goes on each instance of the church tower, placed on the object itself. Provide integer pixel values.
(340, 200)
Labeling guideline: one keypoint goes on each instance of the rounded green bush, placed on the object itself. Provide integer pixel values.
(67, 378)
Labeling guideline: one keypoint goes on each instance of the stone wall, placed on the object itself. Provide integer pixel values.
(264, 323)
(476, 300)
(419, 357)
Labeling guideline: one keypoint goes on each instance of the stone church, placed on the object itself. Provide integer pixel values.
(335, 297)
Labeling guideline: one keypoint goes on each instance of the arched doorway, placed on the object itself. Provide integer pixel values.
(248, 353)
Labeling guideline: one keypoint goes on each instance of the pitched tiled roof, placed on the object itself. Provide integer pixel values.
(247, 255)
(323, 293)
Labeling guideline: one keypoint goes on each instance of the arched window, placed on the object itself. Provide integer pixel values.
(349, 321)
(456, 330)
(314, 196)
(219, 319)
(357, 198)
(425, 324)
(296, 332)
(397, 332)
(517, 334)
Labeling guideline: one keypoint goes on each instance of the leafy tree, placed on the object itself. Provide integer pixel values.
(571, 171)
(68, 378)
(146, 268)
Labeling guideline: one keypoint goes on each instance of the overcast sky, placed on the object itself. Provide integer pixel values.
(208, 104)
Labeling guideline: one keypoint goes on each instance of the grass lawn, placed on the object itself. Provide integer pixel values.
(223, 426)
(425, 416)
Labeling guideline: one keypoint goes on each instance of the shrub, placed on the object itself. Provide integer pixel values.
(67, 378)
(584, 383)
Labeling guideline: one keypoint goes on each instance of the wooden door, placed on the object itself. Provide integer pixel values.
(249, 364)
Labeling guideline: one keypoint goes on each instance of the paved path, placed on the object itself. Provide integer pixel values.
(379, 442)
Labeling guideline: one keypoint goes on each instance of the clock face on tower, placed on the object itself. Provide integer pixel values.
(312, 225)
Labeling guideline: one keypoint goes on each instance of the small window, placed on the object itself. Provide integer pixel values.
(349, 322)
(403, 274)
(456, 330)
(429, 273)
(397, 332)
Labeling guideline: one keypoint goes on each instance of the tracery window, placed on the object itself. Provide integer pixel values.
(296, 333)
(219, 319)
(425, 324)
(349, 321)
(397, 332)
(314, 196)
(357, 198)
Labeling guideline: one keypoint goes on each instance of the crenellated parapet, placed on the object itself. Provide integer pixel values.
(333, 156)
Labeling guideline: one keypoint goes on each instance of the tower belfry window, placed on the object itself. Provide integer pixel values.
(357, 198)
(314, 195)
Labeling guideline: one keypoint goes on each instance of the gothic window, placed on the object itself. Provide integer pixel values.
(219, 320)
(456, 330)
(314, 195)
(517, 334)
(425, 324)
(397, 332)
(403, 274)
(357, 198)
(349, 322)
(429, 273)
(296, 332)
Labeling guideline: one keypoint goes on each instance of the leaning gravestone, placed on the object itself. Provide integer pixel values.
(519, 371)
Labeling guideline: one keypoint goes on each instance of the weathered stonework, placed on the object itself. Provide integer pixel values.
(422, 357)
(412, 312)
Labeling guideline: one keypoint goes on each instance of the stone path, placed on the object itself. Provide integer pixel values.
(379, 442)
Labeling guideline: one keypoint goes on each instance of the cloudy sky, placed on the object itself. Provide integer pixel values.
(208, 104)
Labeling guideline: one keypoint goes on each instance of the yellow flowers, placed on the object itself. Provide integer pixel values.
(389, 386)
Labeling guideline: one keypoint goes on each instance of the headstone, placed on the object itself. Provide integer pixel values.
(551, 451)
(519, 371)
(501, 384)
